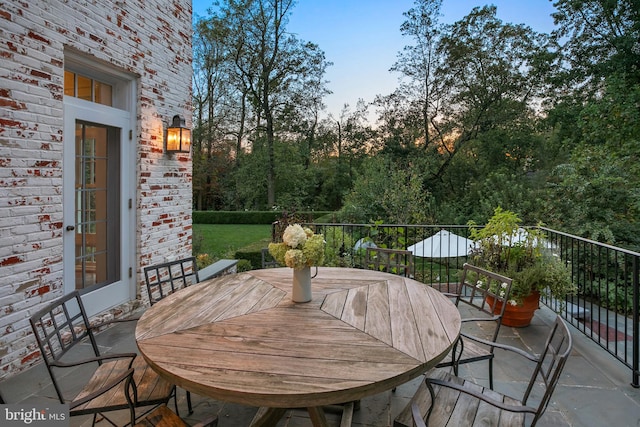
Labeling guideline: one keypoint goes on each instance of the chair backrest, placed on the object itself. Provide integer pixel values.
(166, 278)
(267, 259)
(484, 290)
(550, 364)
(396, 261)
(58, 327)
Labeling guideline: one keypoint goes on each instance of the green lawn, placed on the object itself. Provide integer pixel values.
(222, 240)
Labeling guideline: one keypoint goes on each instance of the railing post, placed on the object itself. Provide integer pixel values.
(636, 324)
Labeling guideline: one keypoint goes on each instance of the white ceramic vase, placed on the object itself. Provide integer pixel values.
(301, 285)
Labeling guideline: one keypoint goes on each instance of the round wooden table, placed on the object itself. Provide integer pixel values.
(239, 338)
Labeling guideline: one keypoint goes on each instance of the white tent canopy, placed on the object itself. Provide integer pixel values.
(364, 243)
(443, 244)
(521, 235)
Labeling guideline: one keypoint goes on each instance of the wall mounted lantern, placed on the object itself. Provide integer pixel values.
(178, 136)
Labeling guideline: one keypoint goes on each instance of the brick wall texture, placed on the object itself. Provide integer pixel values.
(147, 38)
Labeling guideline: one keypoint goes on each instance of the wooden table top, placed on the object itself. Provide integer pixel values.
(239, 338)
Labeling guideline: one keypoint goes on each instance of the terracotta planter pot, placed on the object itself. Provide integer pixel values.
(518, 316)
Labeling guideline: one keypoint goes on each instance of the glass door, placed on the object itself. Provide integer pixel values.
(97, 205)
(98, 192)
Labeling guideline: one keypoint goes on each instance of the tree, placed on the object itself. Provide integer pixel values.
(389, 192)
(269, 62)
(599, 38)
(488, 75)
(302, 114)
(597, 192)
(418, 64)
(214, 115)
(353, 135)
(596, 119)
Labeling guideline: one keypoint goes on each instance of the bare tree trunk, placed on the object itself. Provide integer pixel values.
(243, 116)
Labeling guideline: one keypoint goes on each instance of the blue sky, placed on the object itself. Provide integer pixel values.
(362, 37)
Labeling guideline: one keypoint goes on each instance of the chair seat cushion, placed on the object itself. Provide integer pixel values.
(454, 408)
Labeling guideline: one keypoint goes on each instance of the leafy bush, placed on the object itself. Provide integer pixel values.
(243, 265)
(247, 217)
(339, 247)
(251, 256)
(618, 298)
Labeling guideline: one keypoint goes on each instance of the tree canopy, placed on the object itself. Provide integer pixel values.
(485, 114)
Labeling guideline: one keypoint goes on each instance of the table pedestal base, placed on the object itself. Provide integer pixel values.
(266, 417)
(269, 417)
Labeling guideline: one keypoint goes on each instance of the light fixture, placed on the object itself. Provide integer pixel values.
(178, 136)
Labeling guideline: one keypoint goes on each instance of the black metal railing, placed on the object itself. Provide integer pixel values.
(605, 308)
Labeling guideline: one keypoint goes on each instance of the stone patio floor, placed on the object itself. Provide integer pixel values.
(594, 390)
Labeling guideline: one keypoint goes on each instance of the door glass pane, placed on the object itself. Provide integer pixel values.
(97, 205)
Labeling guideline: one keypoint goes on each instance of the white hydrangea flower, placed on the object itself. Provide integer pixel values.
(479, 284)
(294, 236)
(513, 302)
(504, 285)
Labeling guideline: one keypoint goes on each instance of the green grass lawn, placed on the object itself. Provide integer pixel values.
(222, 240)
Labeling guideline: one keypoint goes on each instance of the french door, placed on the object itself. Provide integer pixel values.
(97, 195)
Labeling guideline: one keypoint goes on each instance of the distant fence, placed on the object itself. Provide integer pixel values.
(605, 308)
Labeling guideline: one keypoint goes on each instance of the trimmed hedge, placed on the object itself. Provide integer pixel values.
(252, 257)
(249, 217)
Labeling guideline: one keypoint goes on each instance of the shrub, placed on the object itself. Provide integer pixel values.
(243, 265)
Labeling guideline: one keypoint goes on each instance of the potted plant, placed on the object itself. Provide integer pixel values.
(502, 246)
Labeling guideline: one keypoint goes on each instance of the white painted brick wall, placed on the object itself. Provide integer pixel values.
(151, 38)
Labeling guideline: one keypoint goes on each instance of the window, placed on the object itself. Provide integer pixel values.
(86, 88)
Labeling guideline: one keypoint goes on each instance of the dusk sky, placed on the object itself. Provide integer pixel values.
(362, 37)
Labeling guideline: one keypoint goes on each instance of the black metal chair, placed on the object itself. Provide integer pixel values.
(396, 261)
(111, 382)
(166, 278)
(487, 293)
(448, 400)
(267, 259)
